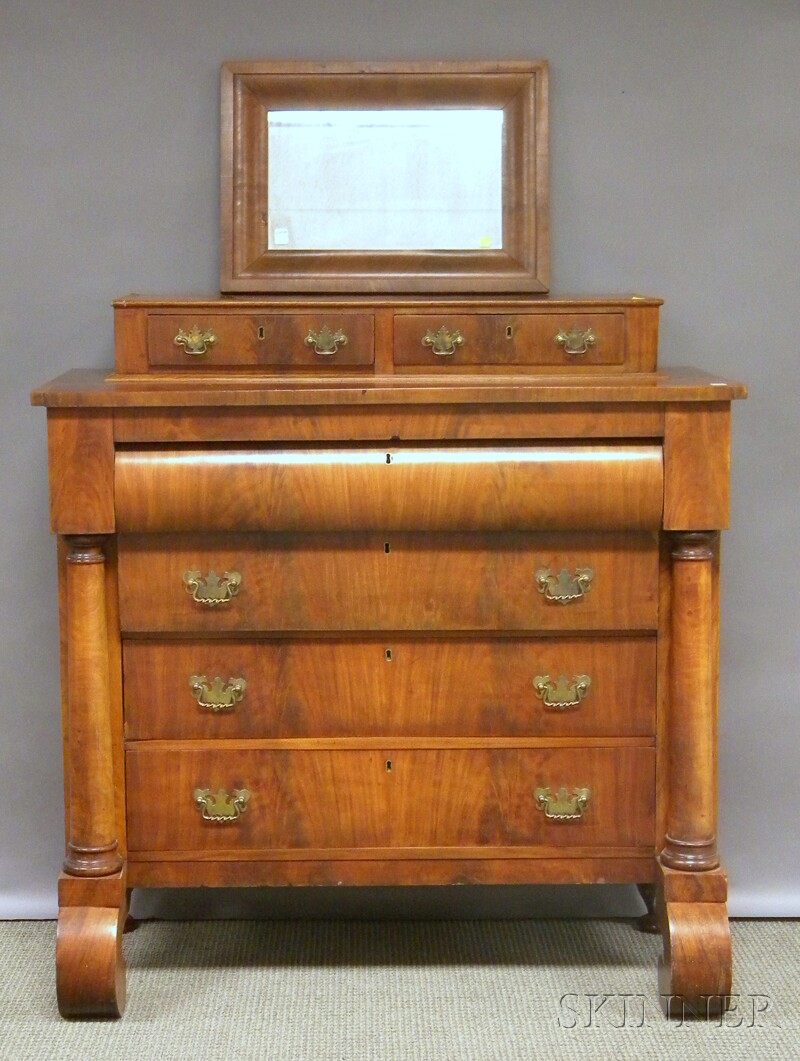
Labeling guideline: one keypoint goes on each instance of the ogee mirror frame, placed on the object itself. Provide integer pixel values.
(250, 90)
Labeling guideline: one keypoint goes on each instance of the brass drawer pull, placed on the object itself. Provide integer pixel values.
(564, 587)
(221, 807)
(444, 342)
(194, 342)
(563, 694)
(216, 695)
(576, 341)
(325, 341)
(212, 589)
(563, 806)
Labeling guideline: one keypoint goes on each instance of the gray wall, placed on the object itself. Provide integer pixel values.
(675, 171)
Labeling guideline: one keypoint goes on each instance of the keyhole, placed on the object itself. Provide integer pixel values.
(388, 766)
(387, 547)
(388, 654)
(510, 331)
(261, 332)
(388, 458)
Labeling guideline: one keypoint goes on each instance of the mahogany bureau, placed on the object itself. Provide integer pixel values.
(389, 591)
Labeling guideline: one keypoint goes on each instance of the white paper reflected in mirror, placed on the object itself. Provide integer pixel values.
(385, 180)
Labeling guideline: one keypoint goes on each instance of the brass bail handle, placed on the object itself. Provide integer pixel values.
(212, 589)
(194, 342)
(564, 588)
(444, 342)
(576, 341)
(562, 806)
(564, 693)
(326, 341)
(216, 695)
(221, 807)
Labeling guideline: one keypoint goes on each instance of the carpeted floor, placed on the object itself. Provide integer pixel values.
(446, 990)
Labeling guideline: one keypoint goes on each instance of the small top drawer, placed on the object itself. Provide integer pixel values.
(231, 340)
(509, 339)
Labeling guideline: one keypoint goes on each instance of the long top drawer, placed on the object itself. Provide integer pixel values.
(415, 488)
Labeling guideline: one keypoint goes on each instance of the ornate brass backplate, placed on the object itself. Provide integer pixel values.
(212, 589)
(217, 695)
(576, 341)
(444, 342)
(564, 588)
(195, 342)
(563, 806)
(221, 807)
(326, 341)
(563, 694)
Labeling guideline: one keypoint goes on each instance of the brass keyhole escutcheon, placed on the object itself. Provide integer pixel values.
(262, 334)
(388, 655)
(388, 766)
(509, 331)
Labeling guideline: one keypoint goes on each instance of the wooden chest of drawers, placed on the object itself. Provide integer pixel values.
(355, 594)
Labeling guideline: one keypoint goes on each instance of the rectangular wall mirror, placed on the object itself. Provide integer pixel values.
(383, 177)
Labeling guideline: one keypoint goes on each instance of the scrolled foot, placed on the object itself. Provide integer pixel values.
(90, 969)
(695, 973)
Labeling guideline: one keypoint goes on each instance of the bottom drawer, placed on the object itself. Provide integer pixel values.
(184, 800)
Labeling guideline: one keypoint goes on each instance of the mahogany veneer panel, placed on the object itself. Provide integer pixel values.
(90, 388)
(390, 686)
(697, 490)
(498, 423)
(247, 340)
(81, 459)
(315, 582)
(390, 488)
(430, 798)
(509, 339)
(619, 867)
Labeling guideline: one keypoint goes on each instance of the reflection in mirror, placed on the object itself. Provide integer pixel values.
(385, 180)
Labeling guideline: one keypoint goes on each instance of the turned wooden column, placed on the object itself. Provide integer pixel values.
(92, 841)
(691, 842)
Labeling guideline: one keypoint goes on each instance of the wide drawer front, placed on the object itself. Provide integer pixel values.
(395, 686)
(316, 582)
(394, 488)
(460, 339)
(213, 800)
(311, 340)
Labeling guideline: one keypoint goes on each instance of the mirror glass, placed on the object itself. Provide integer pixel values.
(385, 180)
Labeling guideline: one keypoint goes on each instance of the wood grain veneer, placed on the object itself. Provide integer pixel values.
(422, 488)
(269, 339)
(509, 339)
(402, 581)
(430, 798)
(395, 685)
